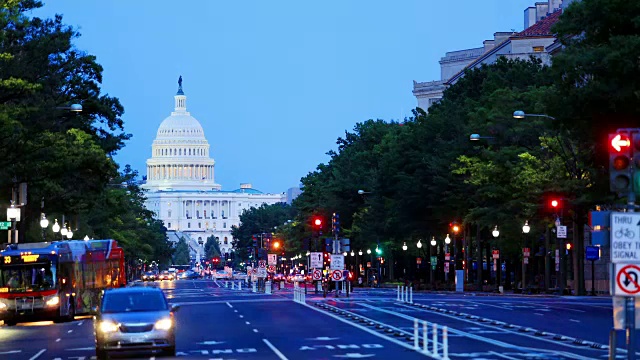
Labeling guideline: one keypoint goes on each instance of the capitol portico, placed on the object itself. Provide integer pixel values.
(181, 187)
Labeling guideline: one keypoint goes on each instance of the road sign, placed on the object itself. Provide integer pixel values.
(5, 225)
(627, 280)
(317, 274)
(272, 259)
(526, 260)
(625, 237)
(418, 261)
(496, 254)
(262, 264)
(447, 257)
(337, 261)
(272, 268)
(336, 275)
(561, 231)
(316, 259)
(592, 253)
(526, 252)
(446, 267)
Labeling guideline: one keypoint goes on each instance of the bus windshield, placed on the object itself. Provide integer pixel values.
(26, 278)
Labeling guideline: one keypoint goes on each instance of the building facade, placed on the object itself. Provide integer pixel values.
(535, 40)
(181, 188)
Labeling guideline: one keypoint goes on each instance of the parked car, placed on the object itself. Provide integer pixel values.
(134, 319)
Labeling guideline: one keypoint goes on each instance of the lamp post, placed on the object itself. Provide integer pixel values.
(44, 222)
(447, 241)
(13, 214)
(519, 114)
(69, 233)
(525, 230)
(496, 262)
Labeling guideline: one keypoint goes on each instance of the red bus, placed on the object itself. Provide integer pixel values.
(57, 280)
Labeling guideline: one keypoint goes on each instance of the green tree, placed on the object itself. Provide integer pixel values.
(181, 253)
(212, 248)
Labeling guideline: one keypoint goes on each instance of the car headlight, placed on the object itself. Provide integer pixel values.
(107, 326)
(164, 324)
(53, 301)
(3, 306)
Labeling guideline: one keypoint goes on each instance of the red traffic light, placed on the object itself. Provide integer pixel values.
(317, 222)
(555, 203)
(620, 142)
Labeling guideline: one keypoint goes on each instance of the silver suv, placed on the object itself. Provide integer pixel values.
(135, 319)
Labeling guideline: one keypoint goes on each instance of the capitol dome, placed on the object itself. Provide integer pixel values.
(180, 153)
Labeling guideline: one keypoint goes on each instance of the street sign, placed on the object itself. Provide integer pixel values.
(272, 259)
(592, 253)
(561, 231)
(272, 268)
(447, 257)
(317, 274)
(368, 264)
(337, 262)
(336, 275)
(627, 280)
(526, 260)
(496, 254)
(262, 264)
(625, 237)
(434, 262)
(316, 260)
(5, 225)
(526, 252)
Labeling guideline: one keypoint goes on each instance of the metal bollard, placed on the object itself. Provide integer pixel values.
(254, 287)
(435, 340)
(226, 284)
(410, 295)
(425, 337)
(445, 344)
(398, 299)
(267, 287)
(416, 336)
(240, 285)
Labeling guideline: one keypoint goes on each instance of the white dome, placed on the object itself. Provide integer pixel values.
(180, 125)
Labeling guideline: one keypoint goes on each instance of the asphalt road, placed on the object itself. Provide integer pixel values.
(216, 322)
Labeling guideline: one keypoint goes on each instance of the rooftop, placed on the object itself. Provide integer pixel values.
(542, 27)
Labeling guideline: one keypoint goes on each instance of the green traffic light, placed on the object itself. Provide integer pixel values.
(378, 250)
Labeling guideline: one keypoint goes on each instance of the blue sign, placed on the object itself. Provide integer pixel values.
(592, 253)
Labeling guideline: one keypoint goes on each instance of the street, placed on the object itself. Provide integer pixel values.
(217, 322)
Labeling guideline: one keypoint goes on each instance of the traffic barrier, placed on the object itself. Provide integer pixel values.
(405, 294)
(254, 289)
(240, 285)
(226, 284)
(267, 287)
(432, 350)
(299, 296)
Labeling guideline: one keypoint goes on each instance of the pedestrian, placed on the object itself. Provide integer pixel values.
(360, 281)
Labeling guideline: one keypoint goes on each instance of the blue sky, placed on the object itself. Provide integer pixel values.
(273, 83)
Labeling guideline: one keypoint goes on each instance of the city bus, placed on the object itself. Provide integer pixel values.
(57, 280)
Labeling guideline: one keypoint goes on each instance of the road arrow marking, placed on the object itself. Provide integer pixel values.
(211, 342)
(354, 355)
(323, 338)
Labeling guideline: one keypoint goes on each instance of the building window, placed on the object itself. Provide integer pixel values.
(226, 242)
(199, 225)
(213, 214)
(205, 214)
(198, 214)
(224, 225)
(169, 213)
(223, 214)
(188, 225)
(168, 225)
(538, 49)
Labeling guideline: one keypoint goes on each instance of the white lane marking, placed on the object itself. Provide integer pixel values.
(558, 307)
(538, 314)
(248, 323)
(255, 330)
(235, 311)
(275, 350)
(499, 307)
(70, 331)
(241, 316)
(81, 349)
(58, 339)
(261, 299)
(574, 320)
(375, 333)
(10, 352)
(34, 357)
(80, 323)
(502, 355)
(231, 306)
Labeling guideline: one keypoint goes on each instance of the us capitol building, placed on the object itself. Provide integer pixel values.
(181, 187)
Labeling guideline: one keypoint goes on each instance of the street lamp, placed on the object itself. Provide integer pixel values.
(360, 252)
(447, 240)
(433, 241)
(419, 244)
(352, 253)
(69, 233)
(63, 230)
(72, 108)
(368, 251)
(526, 228)
(86, 238)
(362, 192)
(519, 114)
(56, 226)
(44, 222)
(404, 246)
(13, 214)
(495, 232)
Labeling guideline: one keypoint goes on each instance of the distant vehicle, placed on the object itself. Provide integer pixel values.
(149, 276)
(189, 275)
(57, 280)
(134, 319)
(166, 275)
(278, 277)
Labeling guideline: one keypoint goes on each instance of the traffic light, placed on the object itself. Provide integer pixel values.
(255, 241)
(620, 151)
(455, 228)
(276, 245)
(636, 162)
(328, 245)
(317, 223)
(267, 240)
(568, 246)
(335, 224)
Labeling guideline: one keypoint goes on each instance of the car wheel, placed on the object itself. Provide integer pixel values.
(101, 354)
(10, 322)
(170, 351)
